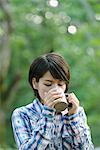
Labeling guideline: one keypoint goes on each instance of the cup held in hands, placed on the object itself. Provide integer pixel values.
(61, 105)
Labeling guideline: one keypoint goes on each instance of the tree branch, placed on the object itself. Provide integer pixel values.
(5, 51)
(6, 10)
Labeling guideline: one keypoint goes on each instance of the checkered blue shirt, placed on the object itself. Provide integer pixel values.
(38, 127)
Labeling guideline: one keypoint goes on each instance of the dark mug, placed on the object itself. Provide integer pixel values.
(62, 103)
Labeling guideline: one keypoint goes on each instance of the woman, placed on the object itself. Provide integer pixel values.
(38, 126)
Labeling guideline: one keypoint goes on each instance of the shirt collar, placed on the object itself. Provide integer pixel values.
(38, 105)
(43, 109)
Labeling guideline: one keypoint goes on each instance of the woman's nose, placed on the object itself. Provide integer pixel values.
(55, 86)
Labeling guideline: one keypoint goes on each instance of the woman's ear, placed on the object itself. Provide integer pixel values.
(35, 83)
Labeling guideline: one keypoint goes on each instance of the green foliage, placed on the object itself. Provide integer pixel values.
(39, 28)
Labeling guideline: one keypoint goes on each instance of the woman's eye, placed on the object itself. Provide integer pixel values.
(47, 84)
(60, 84)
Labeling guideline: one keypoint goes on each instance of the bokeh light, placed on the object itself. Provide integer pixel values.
(48, 15)
(97, 17)
(53, 3)
(34, 18)
(72, 29)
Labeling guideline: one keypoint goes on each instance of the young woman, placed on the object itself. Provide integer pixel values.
(38, 126)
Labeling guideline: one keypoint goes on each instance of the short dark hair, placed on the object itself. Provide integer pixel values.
(52, 62)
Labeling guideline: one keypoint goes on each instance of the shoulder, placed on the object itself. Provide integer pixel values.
(82, 113)
(19, 112)
(80, 109)
(27, 111)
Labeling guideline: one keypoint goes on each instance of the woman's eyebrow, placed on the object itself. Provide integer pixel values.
(48, 80)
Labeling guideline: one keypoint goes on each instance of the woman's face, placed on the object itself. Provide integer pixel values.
(46, 83)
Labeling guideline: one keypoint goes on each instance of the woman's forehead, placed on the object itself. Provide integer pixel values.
(49, 78)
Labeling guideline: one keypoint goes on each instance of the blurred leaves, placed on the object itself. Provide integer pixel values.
(39, 28)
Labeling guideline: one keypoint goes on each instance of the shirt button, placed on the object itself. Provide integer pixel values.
(57, 126)
(51, 145)
(59, 144)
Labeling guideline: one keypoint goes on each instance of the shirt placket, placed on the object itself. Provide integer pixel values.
(51, 145)
(57, 133)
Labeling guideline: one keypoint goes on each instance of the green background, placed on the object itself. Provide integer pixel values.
(29, 28)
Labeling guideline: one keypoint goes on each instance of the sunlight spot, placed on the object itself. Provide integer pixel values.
(72, 29)
(65, 17)
(53, 3)
(97, 17)
(48, 15)
(37, 19)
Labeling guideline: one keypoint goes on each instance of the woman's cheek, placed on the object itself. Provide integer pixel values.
(42, 93)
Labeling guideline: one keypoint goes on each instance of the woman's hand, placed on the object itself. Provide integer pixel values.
(75, 103)
(52, 97)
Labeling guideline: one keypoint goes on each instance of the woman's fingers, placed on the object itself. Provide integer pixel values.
(75, 103)
(54, 96)
(51, 97)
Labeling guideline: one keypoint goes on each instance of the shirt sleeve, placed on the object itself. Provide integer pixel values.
(38, 138)
(76, 132)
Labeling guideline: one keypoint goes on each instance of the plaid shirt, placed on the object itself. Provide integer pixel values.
(38, 127)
